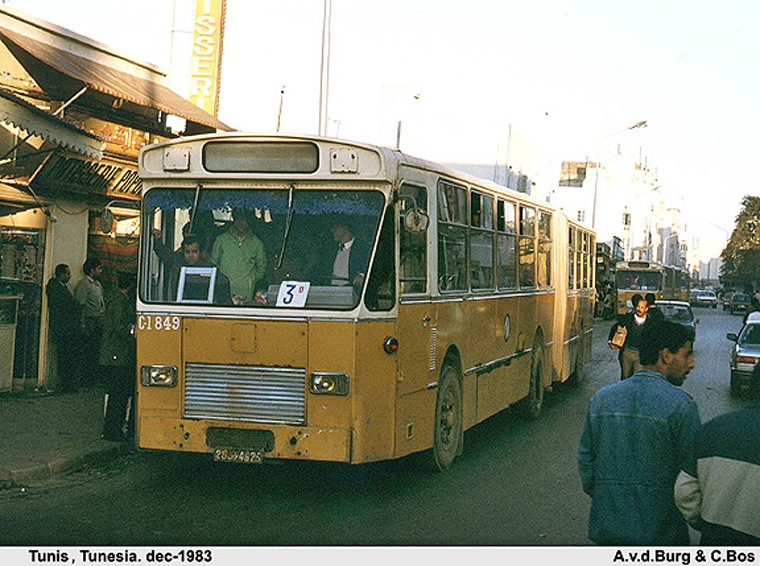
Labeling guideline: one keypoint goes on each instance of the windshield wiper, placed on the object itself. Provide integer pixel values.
(288, 221)
(194, 210)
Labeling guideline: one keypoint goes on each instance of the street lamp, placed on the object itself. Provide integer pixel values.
(642, 124)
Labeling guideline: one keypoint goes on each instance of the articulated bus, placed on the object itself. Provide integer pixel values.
(462, 298)
(666, 282)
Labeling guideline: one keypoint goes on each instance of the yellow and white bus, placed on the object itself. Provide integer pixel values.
(459, 298)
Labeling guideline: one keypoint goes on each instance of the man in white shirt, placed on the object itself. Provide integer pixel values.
(350, 258)
(89, 294)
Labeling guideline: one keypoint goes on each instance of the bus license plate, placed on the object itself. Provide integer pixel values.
(241, 456)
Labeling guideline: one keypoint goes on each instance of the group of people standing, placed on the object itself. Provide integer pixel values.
(646, 461)
(241, 260)
(93, 334)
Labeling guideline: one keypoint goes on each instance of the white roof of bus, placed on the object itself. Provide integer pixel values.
(388, 154)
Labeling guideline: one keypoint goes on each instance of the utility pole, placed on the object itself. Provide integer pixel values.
(324, 72)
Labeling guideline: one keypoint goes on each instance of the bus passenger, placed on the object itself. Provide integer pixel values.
(240, 255)
(193, 256)
(348, 264)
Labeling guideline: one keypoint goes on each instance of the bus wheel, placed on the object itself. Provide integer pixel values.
(447, 429)
(530, 407)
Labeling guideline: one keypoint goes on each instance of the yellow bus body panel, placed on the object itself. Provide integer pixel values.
(356, 427)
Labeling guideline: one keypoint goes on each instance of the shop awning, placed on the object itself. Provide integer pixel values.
(13, 200)
(109, 80)
(18, 112)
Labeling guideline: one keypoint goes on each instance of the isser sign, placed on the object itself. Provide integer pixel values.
(207, 54)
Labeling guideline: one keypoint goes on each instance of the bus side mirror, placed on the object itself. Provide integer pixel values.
(416, 221)
(731, 336)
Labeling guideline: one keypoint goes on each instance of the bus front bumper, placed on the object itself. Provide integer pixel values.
(268, 441)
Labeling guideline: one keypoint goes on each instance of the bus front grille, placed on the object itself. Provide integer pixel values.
(246, 393)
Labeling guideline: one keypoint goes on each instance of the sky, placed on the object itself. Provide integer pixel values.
(568, 75)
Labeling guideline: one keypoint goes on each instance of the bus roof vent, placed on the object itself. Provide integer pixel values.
(344, 160)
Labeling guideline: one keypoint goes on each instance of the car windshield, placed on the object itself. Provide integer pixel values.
(738, 298)
(264, 247)
(751, 335)
(676, 313)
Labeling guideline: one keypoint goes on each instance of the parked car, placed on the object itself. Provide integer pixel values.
(744, 356)
(727, 300)
(704, 298)
(678, 311)
(740, 303)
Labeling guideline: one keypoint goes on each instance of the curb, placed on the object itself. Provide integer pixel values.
(41, 472)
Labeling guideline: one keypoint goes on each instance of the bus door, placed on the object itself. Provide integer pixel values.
(416, 325)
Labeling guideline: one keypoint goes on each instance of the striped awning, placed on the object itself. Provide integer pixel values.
(21, 114)
(105, 78)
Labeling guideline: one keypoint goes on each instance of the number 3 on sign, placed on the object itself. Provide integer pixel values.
(293, 294)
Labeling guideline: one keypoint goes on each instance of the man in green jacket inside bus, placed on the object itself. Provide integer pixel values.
(240, 255)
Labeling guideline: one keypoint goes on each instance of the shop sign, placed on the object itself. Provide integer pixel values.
(207, 54)
(64, 172)
(121, 140)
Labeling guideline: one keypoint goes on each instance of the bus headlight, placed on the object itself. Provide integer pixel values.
(328, 383)
(158, 376)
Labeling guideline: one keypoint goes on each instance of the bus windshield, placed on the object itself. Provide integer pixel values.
(638, 280)
(270, 248)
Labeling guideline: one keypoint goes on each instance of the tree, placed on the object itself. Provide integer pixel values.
(741, 256)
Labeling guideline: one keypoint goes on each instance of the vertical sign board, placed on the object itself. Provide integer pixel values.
(207, 54)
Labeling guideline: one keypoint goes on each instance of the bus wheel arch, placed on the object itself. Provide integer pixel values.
(448, 425)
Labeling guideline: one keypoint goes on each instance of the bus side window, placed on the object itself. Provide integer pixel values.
(452, 238)
(413, 246)
(526, 246)
(506, 246)
(381, 287)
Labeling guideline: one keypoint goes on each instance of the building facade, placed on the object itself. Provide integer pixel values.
(74, 114)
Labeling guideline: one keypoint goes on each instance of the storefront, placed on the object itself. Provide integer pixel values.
(73, 117)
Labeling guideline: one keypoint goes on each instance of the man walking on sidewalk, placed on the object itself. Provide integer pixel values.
(63, 321)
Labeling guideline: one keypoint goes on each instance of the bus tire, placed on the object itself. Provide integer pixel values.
(448, 425)
(530, 407)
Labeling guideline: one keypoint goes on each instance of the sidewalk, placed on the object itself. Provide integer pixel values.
(46, 434)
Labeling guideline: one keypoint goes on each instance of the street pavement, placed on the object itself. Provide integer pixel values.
(44, 434)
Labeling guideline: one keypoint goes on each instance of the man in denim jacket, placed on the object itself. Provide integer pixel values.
(636, 436)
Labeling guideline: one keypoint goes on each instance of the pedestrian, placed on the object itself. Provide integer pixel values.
(89, 294)
(652, 309)
(718, 489)
(117, 356)
(65, 332)
(637, 434)
(634, 324)
(609, 301)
